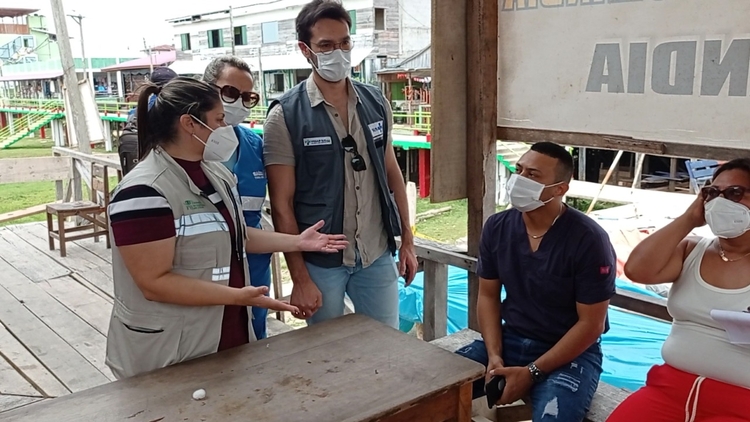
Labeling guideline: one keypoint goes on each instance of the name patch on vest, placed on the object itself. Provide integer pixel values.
(376, 129)
(316, 142)
(194, 205)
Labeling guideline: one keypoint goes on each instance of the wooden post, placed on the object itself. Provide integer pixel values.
(481, 134)
(448, 127)
(640, 158)
(277, 282)
(107, 128)
(411, 196)
(435, 300)
(582, 164)
(612, 168)
(75, 98)
(672, 174)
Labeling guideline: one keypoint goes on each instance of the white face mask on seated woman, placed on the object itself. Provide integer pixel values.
(727, 219)
(220, 145)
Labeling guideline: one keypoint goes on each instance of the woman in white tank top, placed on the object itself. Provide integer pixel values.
(706, 377)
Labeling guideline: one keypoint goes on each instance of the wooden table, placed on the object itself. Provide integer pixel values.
(348, 369)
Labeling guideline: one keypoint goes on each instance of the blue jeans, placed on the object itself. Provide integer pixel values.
(565, 395)
(260, 275)
(373, 290)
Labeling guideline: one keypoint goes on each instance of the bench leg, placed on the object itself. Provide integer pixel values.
(50, 227)
(61, 233)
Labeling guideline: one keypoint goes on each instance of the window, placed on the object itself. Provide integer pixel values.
(29, 42)
(185, 42)
(240, 35)
(270, 32)
(353, 16)
(215, 38)
(278, 82)
(379, 19)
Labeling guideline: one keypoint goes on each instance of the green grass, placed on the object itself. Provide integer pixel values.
(447, 226)
(29, 147)
(36, 147)
(583, 204)
(18, 196)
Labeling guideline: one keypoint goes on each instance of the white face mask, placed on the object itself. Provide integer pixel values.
(235, 113)
(220, 145)
(727, 219)
(524, 193)
(333, 66)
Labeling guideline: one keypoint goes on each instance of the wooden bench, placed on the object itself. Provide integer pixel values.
(607, 397)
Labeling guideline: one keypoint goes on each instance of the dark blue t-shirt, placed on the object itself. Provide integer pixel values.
(575, 262)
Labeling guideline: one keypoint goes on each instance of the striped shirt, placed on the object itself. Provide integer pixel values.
(140, 214)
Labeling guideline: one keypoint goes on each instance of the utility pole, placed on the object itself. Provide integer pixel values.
(79, 20)
(231, 26)
(75, 99)
(147, 49)
(262, 79)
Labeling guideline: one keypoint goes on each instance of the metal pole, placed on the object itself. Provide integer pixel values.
(79, 20)
(76, 109)
(262, 81)
(150, 57)
(231, 27)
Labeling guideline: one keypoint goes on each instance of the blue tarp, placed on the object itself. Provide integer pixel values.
(631, 347)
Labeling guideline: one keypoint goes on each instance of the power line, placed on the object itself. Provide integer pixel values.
(410, 15)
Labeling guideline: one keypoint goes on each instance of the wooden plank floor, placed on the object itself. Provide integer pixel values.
(54, 316)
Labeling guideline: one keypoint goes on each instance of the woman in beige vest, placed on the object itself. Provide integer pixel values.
(181, 281)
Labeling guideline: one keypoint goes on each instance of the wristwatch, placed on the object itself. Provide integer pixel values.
(536, 374)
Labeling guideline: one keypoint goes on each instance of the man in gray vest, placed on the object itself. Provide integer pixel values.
(329, 156)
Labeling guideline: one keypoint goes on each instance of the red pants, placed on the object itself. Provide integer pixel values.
(669, 392)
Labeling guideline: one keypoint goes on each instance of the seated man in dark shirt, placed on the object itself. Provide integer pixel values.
(558, 269)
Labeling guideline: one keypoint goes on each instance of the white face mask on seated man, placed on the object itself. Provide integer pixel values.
(525, 193)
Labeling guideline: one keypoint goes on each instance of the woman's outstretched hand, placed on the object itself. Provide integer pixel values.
(311, 240)
(256, 296)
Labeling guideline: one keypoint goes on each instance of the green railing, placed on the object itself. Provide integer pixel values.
(416, 121)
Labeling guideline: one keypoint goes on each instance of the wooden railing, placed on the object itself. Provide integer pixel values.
(419, 121)
(14, 29)
(435, 262)
(80, 173)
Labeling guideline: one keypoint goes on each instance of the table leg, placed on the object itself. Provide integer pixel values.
(464, 403)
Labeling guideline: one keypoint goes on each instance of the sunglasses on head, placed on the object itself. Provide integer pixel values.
(732, 193)
(230, 94)
(350, 146)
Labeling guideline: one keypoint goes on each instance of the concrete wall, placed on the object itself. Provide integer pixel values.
(390, 42)
(416, 20)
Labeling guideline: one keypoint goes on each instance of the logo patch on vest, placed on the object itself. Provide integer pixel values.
(316, 142)
(194, 205)
(260, 174)
(376, 129)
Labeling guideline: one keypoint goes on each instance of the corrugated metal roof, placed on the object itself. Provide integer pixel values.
(422, 59)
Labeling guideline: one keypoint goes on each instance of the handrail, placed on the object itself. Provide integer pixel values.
(91, 158)
(436, 260)
(420, 121)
